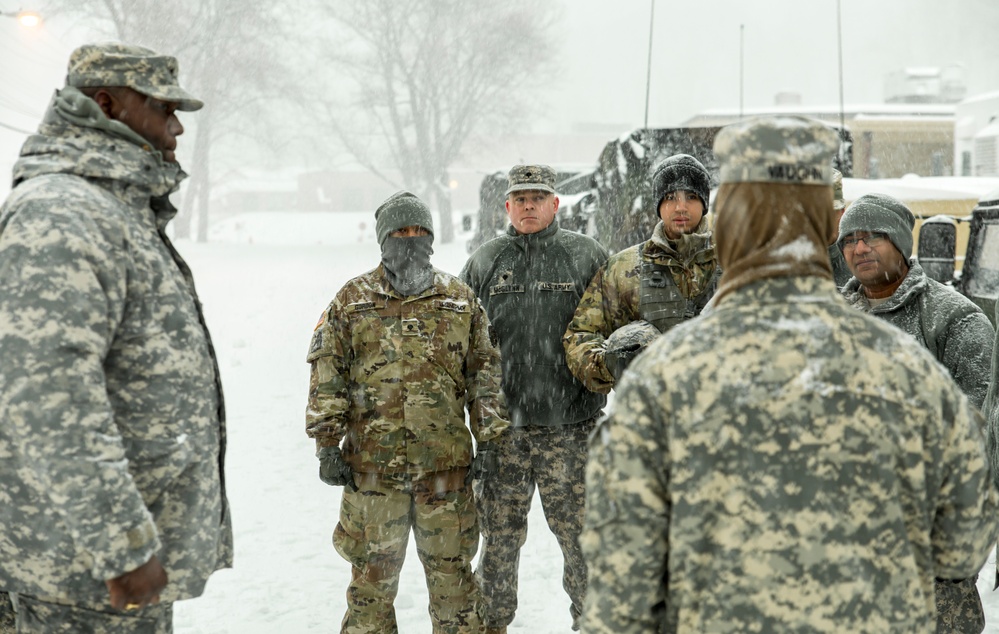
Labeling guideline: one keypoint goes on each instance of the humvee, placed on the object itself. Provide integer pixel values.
(978, 279)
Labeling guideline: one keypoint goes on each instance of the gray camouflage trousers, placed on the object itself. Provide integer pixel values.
(372, 536)
(554, 460)
(959, 608)
(53, 616)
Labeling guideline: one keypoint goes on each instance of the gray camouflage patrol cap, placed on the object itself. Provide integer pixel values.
(531, 177)
(791, 150)
(838, 201)
(111, 64)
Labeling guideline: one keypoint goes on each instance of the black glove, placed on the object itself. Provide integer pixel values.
(619, 359)
(334, 470)
(484, 464)
(626, 343)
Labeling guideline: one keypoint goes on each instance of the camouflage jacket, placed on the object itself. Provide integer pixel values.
(814, 459)
(612, 299)
(952, 327)
(530, 286)
(392, 376)
(113, 431)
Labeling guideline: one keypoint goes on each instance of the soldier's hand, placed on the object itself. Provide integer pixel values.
(138, 588)
(484, 464)
(626, 343)
(334, 470)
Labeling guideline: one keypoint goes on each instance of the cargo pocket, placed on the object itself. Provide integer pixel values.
(348, 536)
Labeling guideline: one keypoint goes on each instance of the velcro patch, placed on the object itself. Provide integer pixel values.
(452, 305)
(359, 306)
(556, 286)
(499, 289)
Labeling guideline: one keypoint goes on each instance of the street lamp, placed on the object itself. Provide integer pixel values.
(27, 19)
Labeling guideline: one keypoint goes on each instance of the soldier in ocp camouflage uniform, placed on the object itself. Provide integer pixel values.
(650, 287)
(113, 434)
(784, 463)
(397, 357)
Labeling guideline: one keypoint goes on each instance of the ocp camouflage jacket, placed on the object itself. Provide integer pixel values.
(612, 298)
(392, 376)
(112, 436)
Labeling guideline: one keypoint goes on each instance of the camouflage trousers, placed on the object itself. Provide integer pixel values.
(554, 460)
(372, 536)
(6, 614)
(959, 608)
(55, 616)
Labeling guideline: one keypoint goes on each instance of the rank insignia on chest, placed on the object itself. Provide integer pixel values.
(410, 327)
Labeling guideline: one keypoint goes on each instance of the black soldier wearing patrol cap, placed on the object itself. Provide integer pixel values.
(113, 434)
(530, 281)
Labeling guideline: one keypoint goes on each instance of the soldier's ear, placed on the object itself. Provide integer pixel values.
(107, 102)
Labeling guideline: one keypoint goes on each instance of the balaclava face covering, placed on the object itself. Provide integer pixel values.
(407, 264)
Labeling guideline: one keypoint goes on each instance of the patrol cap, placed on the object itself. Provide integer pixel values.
(839, 202)
(111, 64)
(531, 177)
(791, 150)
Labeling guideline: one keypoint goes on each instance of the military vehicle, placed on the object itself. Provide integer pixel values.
(978, 278)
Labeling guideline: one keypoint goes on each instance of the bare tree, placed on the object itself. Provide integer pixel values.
(429, 73)
(229, 57)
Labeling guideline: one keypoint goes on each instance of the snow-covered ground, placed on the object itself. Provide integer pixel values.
(264, 282)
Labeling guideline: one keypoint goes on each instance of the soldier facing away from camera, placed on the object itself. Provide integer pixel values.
(786, 462)
(397, 358)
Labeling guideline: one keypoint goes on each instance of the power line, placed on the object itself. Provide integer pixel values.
(15, 128)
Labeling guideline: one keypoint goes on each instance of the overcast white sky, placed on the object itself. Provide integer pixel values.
(789, 45)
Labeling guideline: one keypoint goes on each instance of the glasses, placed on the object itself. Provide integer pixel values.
(871, 240)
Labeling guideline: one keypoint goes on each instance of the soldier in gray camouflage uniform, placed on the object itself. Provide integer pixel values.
(112, 504)
(530, 281)
(784, 463)
(397, 357)
(650, 287)
(875, 236)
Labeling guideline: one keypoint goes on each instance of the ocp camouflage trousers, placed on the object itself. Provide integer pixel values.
(554, 460)
(959, 608)
(372, 536)
(53, 616)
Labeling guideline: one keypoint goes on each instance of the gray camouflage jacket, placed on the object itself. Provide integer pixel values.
(811, 469)
(113, 436)
(948, 324)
